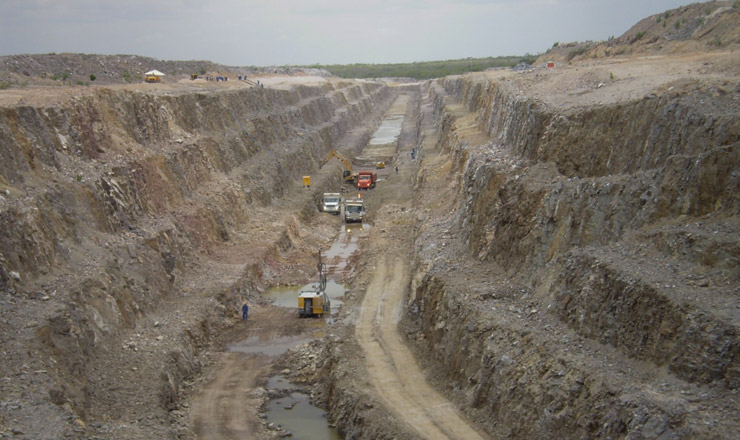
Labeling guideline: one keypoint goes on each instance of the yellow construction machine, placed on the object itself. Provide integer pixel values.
(314, 301)
(347, 174)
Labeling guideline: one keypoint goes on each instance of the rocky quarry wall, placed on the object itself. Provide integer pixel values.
(595, 293)
(113, 203)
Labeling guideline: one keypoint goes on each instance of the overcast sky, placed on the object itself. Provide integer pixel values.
(277, 32)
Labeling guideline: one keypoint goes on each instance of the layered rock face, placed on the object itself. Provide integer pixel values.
(594, 293)
(116, 201)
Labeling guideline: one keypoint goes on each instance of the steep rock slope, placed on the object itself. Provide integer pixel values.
(585, 284)
(121, 205)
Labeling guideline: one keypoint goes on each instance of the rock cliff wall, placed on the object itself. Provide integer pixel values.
(114, 202)
(593, 293)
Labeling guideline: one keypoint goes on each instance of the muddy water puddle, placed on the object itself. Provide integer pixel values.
(295, 413)
(344, 246)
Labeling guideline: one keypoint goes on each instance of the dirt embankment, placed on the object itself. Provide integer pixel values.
(709, 26)
(133, 223)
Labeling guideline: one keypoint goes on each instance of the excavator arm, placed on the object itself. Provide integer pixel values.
(347, 174)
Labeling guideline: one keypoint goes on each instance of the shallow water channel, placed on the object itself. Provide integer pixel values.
(296, 414)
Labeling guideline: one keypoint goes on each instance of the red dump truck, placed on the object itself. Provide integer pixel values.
(366, 179)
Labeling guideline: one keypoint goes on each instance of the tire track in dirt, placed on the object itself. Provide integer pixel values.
(220, 412)
(392, 369)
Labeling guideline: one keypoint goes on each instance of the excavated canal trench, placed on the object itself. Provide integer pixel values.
(533, 271)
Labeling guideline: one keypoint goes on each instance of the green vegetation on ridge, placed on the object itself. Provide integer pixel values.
(423, 69)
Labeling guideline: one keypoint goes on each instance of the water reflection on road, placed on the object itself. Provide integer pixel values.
(344, 246)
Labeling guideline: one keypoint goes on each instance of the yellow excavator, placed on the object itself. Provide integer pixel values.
(347, 174)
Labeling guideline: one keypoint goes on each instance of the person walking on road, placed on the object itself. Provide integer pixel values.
(245, 311)
(396, 170)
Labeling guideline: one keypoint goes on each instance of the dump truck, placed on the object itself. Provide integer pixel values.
(314, 301)
(331, 202)
(354, 210)
(366, 179)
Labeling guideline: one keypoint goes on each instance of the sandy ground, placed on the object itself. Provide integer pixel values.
(40, 96)
(392, 369)
(610, 80)
(226, 406)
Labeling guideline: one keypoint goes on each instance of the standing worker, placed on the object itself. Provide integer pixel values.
(245, 311)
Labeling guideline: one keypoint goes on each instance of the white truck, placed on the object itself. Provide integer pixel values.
(354, 210)
(331, 203)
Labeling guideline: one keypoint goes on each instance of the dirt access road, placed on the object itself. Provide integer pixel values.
(392, 369)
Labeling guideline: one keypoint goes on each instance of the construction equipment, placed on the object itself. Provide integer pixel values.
(347, 174)
(314, 301)
(380, 165)
(354, 210)
(331, 203)
(366, 179)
